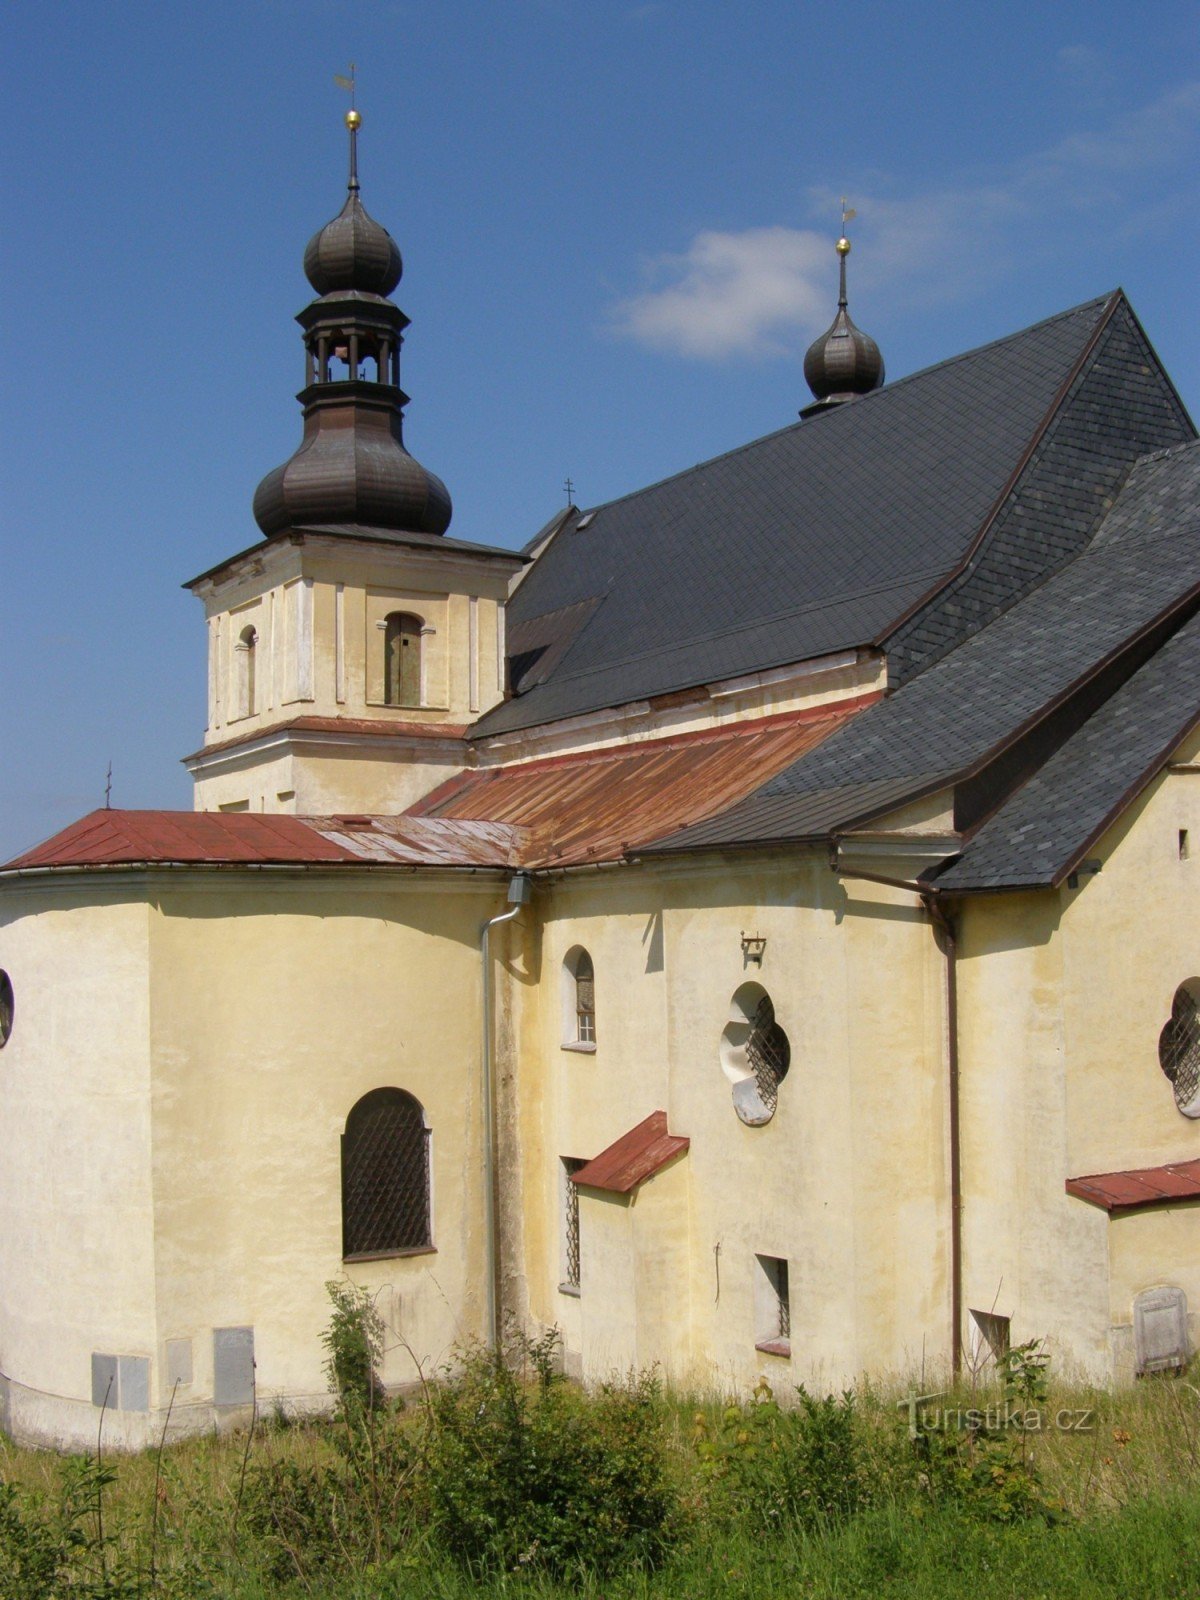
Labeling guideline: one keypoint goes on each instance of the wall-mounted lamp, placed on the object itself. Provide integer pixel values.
(753, 947)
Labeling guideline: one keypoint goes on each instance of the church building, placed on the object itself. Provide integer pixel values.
(752, 927)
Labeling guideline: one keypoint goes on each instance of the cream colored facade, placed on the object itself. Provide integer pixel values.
(190, 1042)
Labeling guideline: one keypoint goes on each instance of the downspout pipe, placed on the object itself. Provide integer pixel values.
(946, 935)
(520, 892)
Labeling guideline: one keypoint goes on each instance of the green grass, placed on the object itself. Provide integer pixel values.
(1128, 1487)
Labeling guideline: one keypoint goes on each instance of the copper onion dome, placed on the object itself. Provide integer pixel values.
(352, 472)
(844, 362)
(353, 251)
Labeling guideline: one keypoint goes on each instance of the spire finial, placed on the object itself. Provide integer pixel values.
(843, 248)
(353, 122)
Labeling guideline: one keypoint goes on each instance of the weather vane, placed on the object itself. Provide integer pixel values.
(347, 84)
(848, 215)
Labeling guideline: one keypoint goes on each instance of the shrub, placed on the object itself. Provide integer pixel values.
(353, 1343)
(543, 1476)
(769, 1468)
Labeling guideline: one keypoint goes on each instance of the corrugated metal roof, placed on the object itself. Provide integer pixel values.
(602, 805)
(1141, 1186)
(634, 1157)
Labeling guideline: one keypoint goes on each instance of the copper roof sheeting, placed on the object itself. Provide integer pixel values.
(1142, 1186)
(602, 805)
(634, 1157)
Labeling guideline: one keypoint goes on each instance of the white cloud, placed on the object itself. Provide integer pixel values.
(764, 291)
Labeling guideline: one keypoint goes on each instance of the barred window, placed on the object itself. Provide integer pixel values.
(755, 1054)
(1179, 1048)
(385, 1177)
(579, 999)
(773, 1306)
(570, 1226)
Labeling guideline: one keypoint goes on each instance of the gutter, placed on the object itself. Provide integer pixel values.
(520, 892)
(946, 937)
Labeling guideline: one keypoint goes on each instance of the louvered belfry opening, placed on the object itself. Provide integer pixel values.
(385, 1176)
(1179, 1046)
(768, 1053)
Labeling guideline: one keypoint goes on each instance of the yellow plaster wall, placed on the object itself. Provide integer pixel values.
(326, 991)
(303, 778)
(847, 1182)
(76, 1248)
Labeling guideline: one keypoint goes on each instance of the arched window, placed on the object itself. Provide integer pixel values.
(1179, 1048)
(247, 649)
(579, 999)
(385, 1177)
(755, 1054)
(7, 1007)
(402, 659)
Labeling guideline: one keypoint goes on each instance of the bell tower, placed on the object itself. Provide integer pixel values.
(352, 648)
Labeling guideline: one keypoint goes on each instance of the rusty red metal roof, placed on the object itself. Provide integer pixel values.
(116, 838)
(601, 805)
(134, 838)
(1140, 1186)
(634, 1157)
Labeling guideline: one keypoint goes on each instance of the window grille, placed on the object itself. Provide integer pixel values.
(773, 1306)
(385, 1176)
(1179, 1049)
(769, 1054)
(585, 999)
(570, 1224)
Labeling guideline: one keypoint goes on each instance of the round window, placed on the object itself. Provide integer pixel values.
(1179, 1048)
(755, 1054)
(6, 1007)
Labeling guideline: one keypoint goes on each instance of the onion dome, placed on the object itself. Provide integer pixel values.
(352, 472)
(356, 476)
(844, 362)
(353, 251)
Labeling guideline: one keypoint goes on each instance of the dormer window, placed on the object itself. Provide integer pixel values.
(246, 650)
(402, 659)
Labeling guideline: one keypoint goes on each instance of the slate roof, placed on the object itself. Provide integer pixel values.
(812, 540)
(1050, 824)
(945, 723)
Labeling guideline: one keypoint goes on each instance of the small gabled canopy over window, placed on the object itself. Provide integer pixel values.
(579, 999)
(402, 659)
(385, 1177)
(1179, 1048)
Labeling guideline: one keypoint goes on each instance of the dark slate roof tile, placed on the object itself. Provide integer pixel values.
(1042, 833)
(967, 706)
(814, 539)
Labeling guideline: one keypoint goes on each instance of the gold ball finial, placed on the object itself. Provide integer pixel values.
(353, 119)
(843, 246)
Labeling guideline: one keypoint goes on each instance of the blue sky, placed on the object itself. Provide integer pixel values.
(617, 222)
